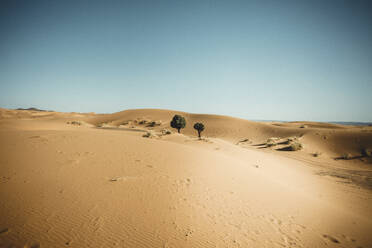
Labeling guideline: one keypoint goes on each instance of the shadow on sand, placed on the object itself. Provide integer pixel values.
(122, 129)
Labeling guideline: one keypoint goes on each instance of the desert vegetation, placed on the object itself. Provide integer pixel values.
(165, 132)
(150, 134)
(178, 122)
(295, 146)
(346, 156)
(316, 154)
(292, 144)
(272, 142)
(199, 127)
(77, 123)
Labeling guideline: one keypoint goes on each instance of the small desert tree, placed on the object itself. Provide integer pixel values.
(199, 127)
(178, 122)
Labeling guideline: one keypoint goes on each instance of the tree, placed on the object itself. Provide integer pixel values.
(178, 122)
(199, 127)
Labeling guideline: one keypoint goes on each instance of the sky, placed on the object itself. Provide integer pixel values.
(276, 60)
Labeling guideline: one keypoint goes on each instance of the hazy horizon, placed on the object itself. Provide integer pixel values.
(257, 60)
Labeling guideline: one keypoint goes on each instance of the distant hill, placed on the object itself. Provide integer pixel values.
(351, 123)
(347, 123)
(32, 109)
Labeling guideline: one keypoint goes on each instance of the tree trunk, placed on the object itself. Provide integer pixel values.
(179, 130)
(199, 134)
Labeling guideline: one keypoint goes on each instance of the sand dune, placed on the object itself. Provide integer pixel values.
(332, 139)
(93, 180)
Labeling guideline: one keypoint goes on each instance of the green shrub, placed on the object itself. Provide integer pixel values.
(178, 122)
(199, 127)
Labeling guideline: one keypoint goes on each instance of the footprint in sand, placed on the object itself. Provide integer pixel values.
(115, 179)
(122, 178)
(330, 238)
(4, 230)
(32, 245)
(34, 137)
(350, 239)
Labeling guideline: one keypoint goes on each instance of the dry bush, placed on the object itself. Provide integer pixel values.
(150, 134)
(271, 144)
(290, 139)
(154, 123)
(272, 141)
(317, 154)
(142, 122)
(346, 156)
(165, 132)
(78, 123)
(295, 146)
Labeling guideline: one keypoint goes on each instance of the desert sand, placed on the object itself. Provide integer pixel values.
(93, 180)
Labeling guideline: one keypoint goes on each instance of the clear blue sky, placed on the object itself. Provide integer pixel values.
(284, 60)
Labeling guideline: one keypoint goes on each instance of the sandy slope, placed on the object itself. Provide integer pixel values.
(70, 185)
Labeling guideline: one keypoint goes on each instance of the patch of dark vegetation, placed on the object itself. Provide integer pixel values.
(77, 123)
(295, 146)
(199, 127)
(178, 122)
(154, 123)
(273, 141)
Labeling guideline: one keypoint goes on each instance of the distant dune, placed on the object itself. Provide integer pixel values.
(127, 179)
(330, 139)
